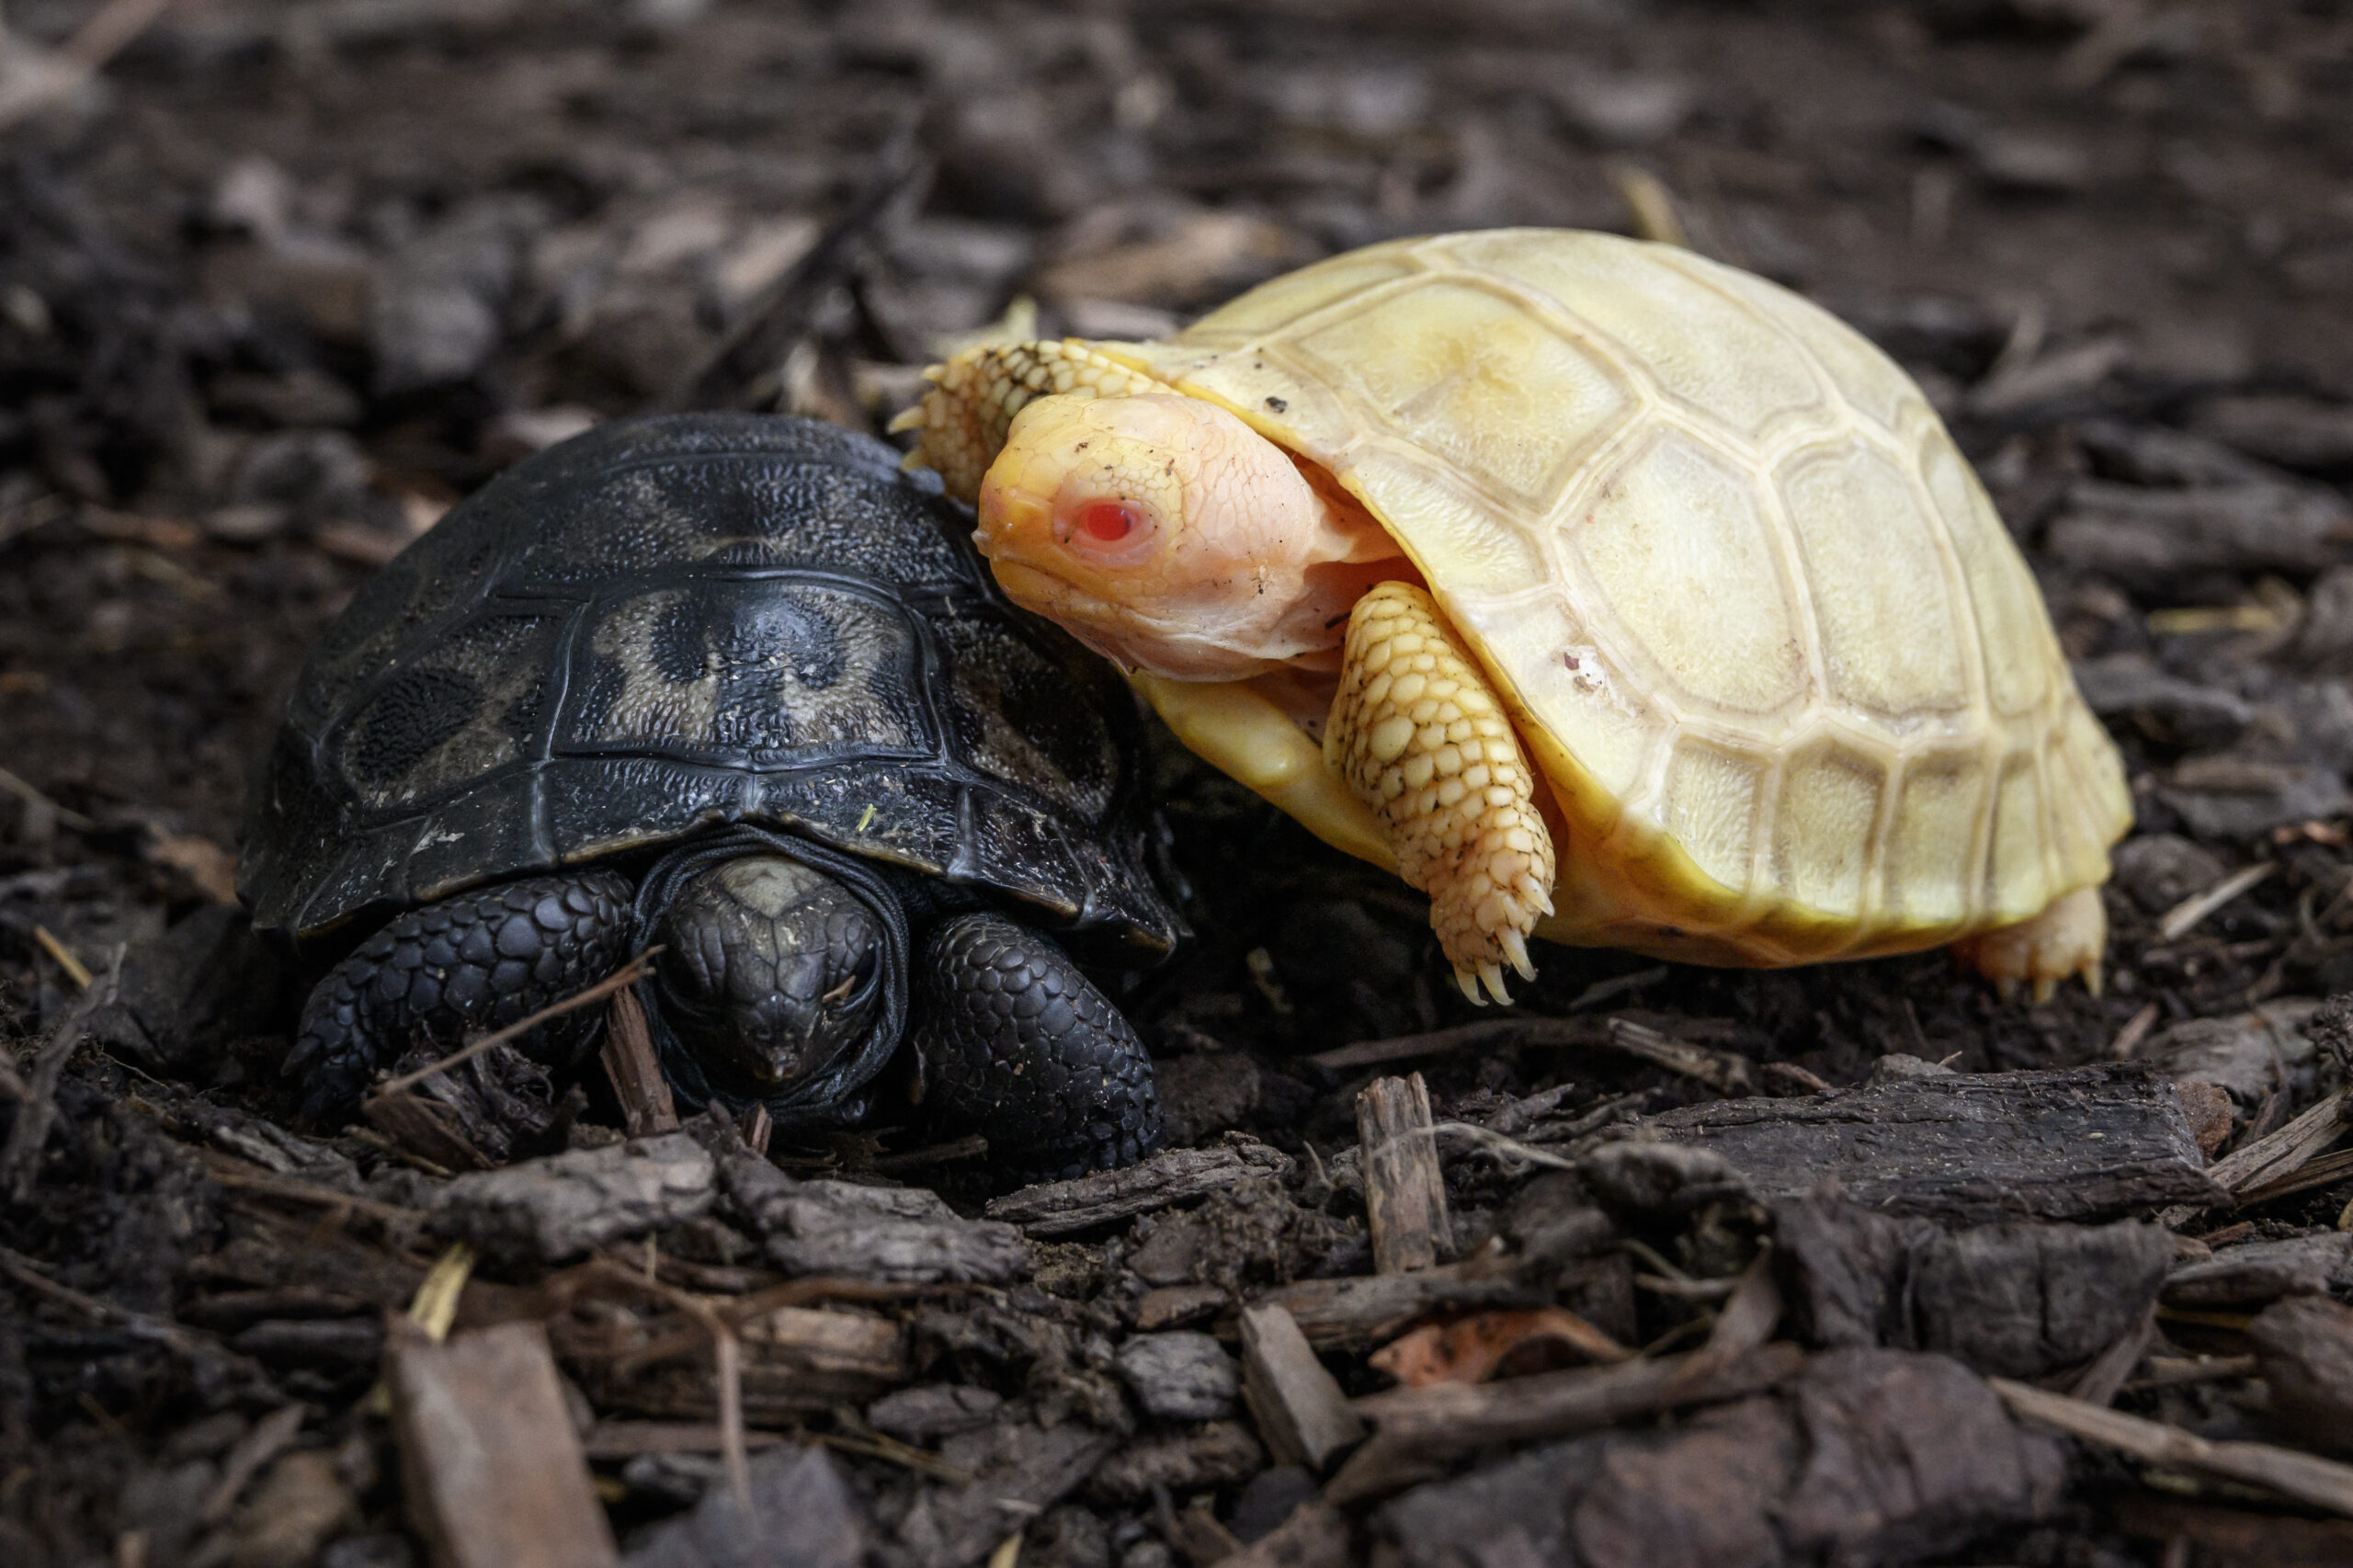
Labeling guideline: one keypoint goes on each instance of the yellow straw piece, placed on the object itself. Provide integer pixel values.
(436, 1306)
(74, 968)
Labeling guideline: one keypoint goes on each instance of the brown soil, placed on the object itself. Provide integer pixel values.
(286, 280)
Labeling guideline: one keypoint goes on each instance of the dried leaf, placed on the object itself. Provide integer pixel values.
(1470, 1349)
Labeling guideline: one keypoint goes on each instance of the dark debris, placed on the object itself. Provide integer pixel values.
(286, 280)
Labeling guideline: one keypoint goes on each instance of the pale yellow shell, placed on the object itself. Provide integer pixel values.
(1794, 688)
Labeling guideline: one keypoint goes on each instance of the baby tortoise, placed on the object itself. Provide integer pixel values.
(1607, 594)
(736, 687)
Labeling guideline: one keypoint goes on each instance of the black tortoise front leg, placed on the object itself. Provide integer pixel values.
(1013, 1042)
(479, 960)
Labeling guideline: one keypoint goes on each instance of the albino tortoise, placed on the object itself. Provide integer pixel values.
(1699, 549)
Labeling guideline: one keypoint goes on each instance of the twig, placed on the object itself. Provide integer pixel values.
(1506, 1148)
(628, 974)
(1686, 1289)
(107, 33)
(2325, 1171)
(229, 1171)
(2173, 1371)
(760, 337)
(635, 1069)
(2136, 1029)
(1650, 208)
(2184, 917)
(20, 1161)
(75, 969)
(1497, 1033)
(170, 1334)
(727, 1356)
(2322, 1484)
(31, 795)
(759, 1303)
(852, 1435)
(1616, 985)
(271, 1436)
(2112, 1367)
(1420, 1427)
(2281, 1155)
(1790, 1072)
(1720, 1069)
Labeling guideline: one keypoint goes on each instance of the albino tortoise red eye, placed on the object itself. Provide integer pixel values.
(1107, 522)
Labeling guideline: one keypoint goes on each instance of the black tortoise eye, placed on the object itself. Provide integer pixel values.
(860, 976)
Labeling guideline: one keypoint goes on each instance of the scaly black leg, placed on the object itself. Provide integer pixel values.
(1015, 1043)
(476, 961)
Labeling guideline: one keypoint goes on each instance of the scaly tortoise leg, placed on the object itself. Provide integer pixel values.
(1420, 736)
(1013, 1042)
(481, 959)
(2068, 937)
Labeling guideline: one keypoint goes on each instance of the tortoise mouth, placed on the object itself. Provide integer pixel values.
(1132, 637)
(1076, 611)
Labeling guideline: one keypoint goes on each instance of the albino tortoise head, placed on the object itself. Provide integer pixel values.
(1162, 532)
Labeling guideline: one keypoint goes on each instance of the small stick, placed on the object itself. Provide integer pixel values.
(111, 29)
(1790, 1072)
(1417, 1429)
(1686, 1289)
(271, 1436)
(2184, 917)
(1609, 990)
(2325, 1171)
(1492, 1034)
(1721, 1070)
(2275, 1158)
(1504, 1149)
(628, 974)
(229, 1171)
(727, 1357)
(757, 1128)
(2322, 1484)
(2172, 1371)
(635, 1071)
(2136, 1029)
(761, 1303)
(2110, 1369)
(75, 970)
(20, 1160)
(1649, 205)
(31, 795)
(170, 1334)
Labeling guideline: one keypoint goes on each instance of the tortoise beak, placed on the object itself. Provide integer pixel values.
(787, 1035)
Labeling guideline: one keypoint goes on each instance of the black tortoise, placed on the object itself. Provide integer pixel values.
(737, 685)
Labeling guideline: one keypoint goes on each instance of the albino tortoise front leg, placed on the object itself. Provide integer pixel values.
(1420, 736)
(2068, 937)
